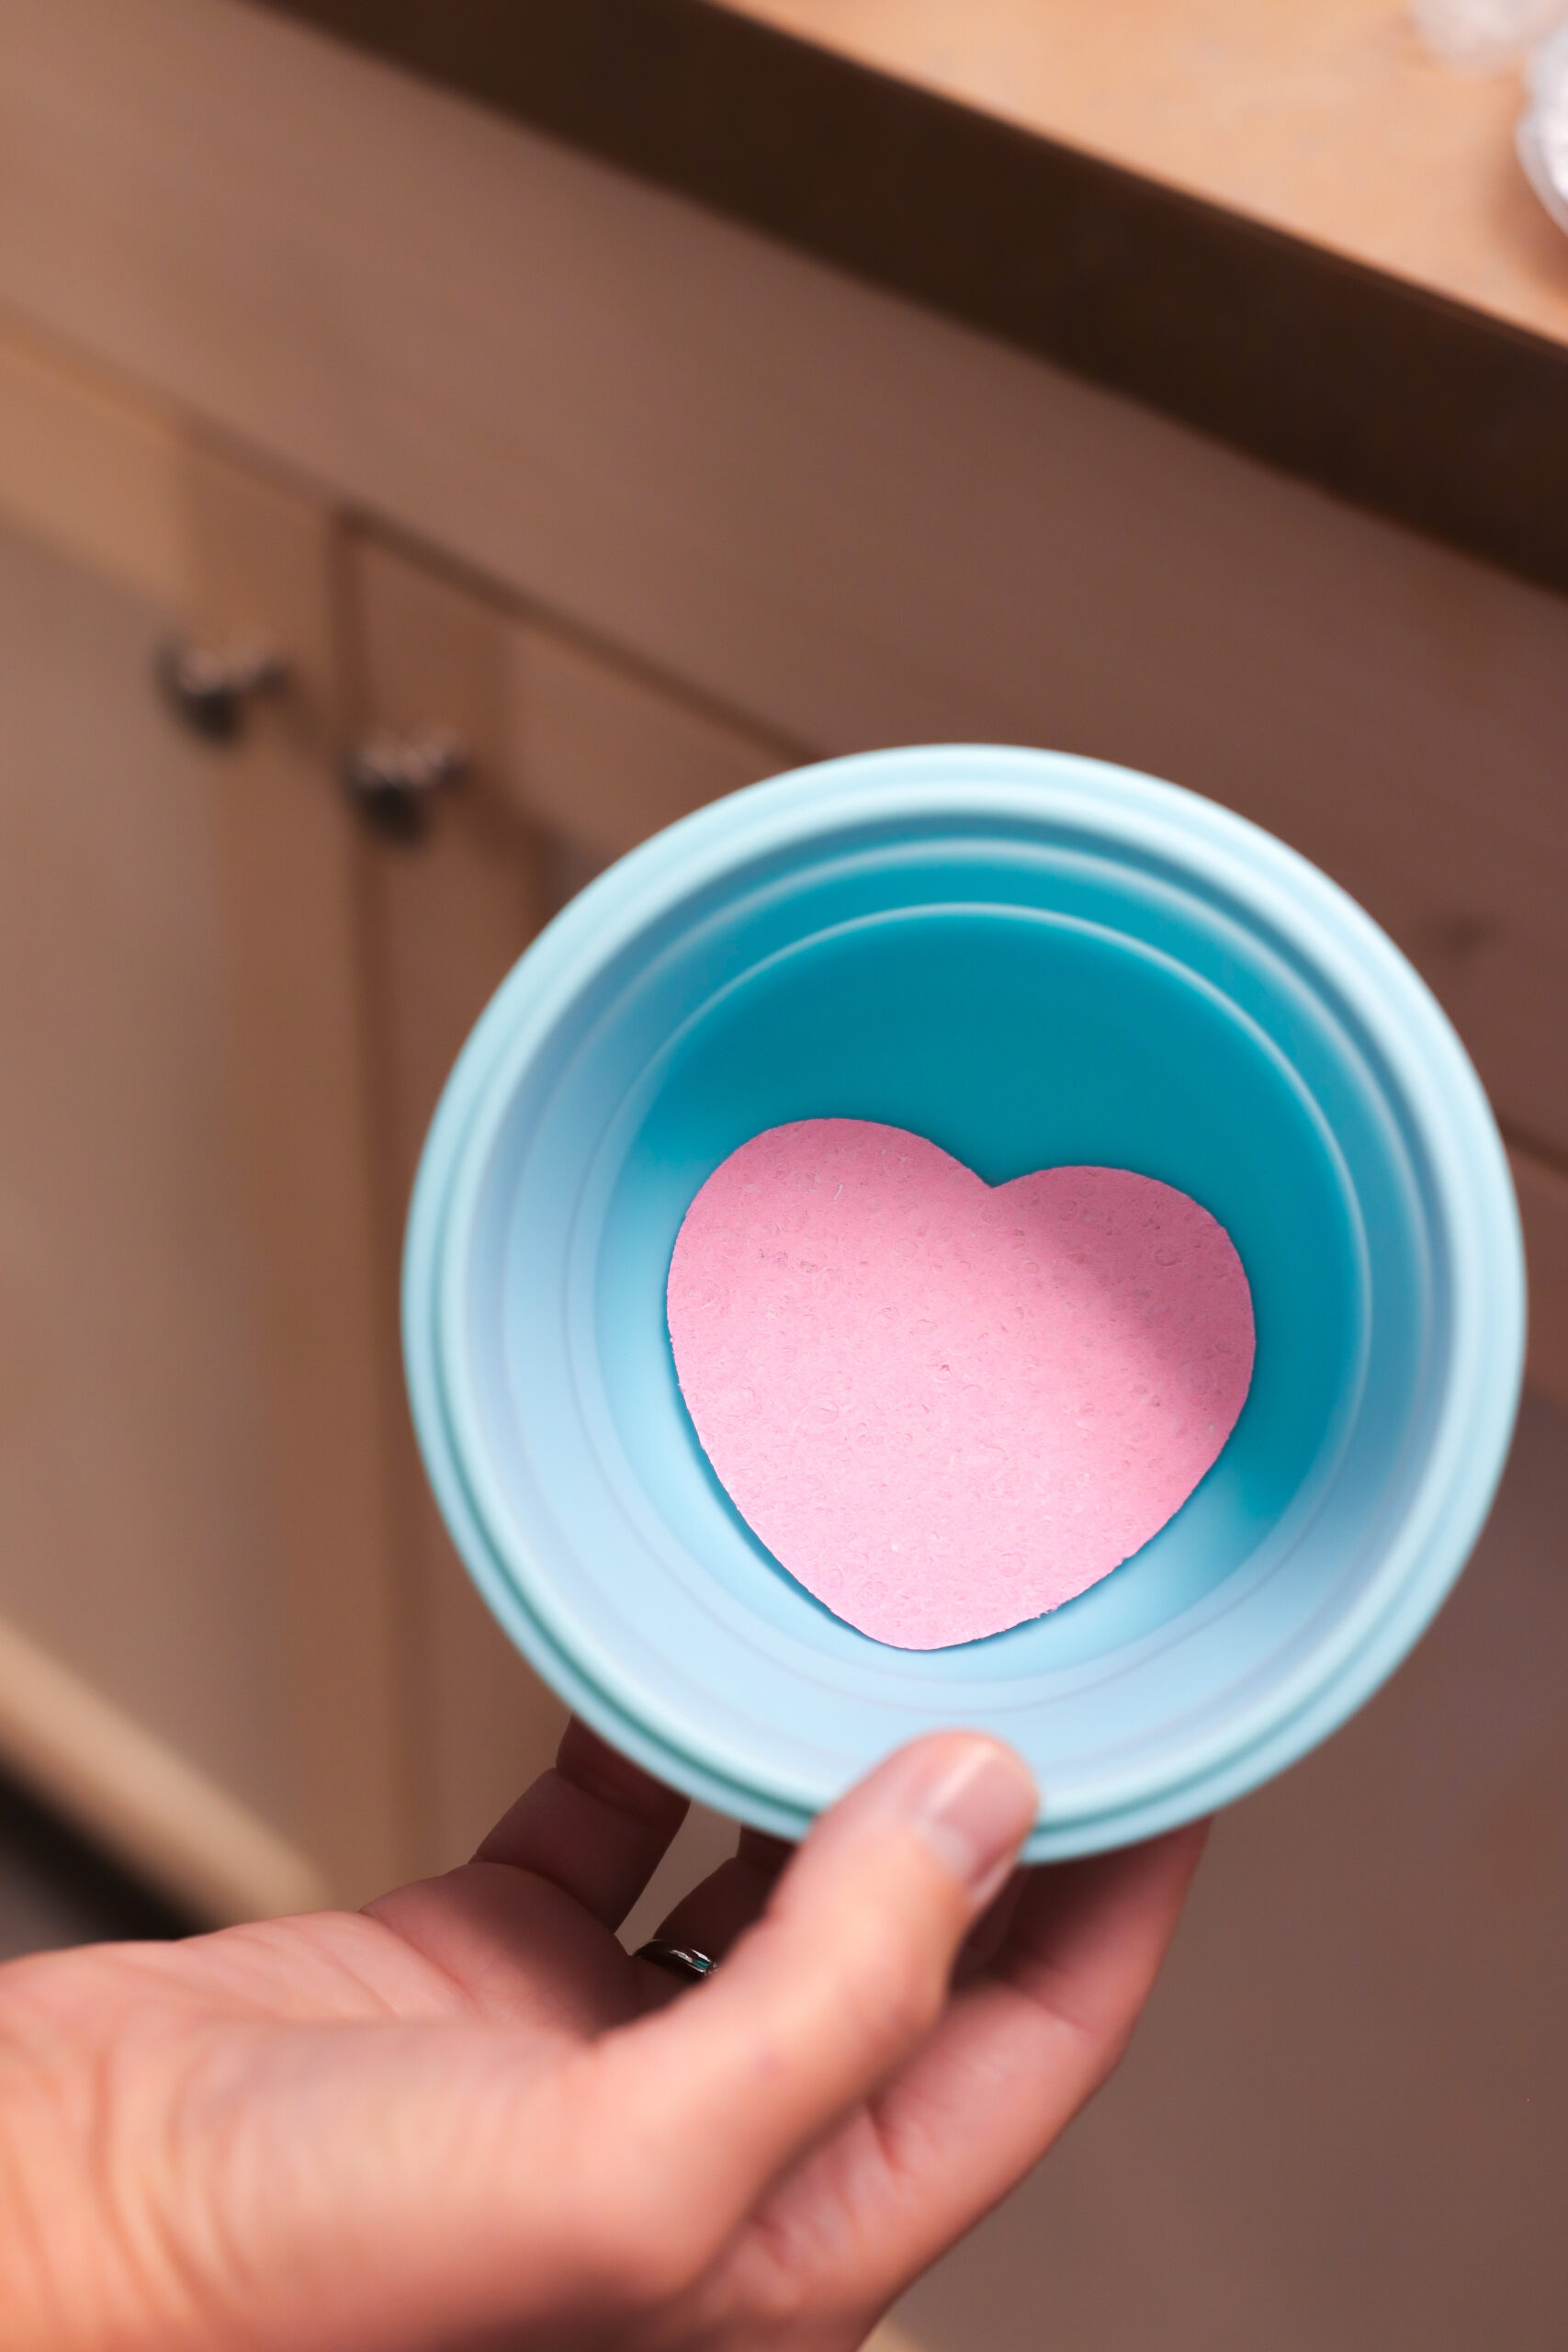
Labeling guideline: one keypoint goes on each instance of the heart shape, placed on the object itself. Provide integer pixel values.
(945, 1407)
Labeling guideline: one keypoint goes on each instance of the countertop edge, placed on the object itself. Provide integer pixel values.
(1377, 390)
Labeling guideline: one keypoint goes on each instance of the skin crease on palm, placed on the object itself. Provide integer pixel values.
(464, 2118)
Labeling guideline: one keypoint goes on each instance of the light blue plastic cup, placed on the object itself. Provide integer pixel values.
(1031, 959)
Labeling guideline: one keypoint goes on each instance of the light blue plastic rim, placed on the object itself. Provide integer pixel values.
(1283, 896)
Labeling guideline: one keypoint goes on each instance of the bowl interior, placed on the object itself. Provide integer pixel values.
(1016, 1042)
(1024, 1000)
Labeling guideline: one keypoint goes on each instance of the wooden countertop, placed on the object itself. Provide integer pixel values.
(1280, 221)
(1326, 119)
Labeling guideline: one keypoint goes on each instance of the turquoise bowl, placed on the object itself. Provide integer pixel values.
(1031, 959)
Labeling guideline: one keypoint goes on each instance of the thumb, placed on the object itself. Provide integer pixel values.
(839, 1980)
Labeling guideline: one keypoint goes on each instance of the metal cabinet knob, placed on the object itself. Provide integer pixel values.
(210, 689)
(392, 779)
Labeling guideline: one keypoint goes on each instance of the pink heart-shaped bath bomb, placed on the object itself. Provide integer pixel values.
(944, 1407)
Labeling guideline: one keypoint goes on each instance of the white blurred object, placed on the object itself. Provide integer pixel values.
(1484, 32)
(1490, 33)
(1542, 135)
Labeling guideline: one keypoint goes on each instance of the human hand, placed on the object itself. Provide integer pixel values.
(466, 2117)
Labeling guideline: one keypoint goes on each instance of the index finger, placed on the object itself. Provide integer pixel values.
(595, 1824)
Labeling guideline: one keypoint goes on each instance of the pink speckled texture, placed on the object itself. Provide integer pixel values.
(946, 1408)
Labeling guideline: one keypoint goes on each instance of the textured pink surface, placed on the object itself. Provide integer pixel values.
(946, 1408)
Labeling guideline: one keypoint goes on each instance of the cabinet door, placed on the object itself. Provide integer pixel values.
(199, 1629)
(573, 757)
(602, 755)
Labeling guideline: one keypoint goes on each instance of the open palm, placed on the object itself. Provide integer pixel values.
(465, 2116)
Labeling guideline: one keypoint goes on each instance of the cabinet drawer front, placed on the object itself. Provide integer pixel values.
(605, 757)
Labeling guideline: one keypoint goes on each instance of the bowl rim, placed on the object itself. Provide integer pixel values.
(1282, 896)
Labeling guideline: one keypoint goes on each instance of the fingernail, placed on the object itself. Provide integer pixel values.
(973, 1812)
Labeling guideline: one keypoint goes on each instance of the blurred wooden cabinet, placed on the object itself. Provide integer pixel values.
(232, 1634)
(199, 1634)
(573, 757)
